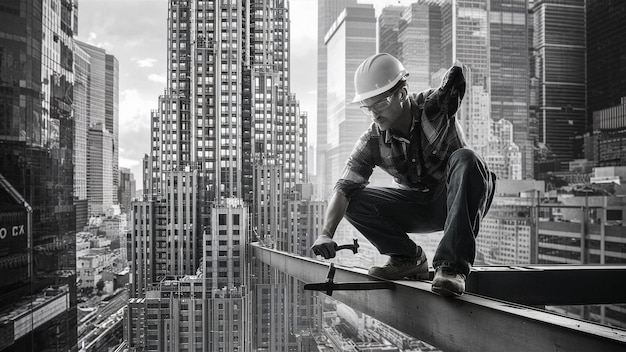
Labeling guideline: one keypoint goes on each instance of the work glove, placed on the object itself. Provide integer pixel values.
(324, 246)
(452, 89)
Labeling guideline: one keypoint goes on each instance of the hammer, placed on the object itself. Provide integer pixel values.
(354, 247)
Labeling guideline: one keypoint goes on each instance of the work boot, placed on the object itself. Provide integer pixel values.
(399, 267)
(448, 282)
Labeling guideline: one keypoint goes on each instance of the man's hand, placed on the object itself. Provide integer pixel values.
(324, 246)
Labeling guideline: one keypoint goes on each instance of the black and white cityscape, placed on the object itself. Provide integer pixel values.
(104, 250)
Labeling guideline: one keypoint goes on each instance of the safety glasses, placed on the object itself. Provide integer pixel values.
(378, 106)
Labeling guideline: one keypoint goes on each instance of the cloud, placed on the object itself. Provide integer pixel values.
(131, 163)
(146, 62)
(135, 110)
(134, 129)
(93, 40)
(157, 78)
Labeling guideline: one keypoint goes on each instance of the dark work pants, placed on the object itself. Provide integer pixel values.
(385, 215)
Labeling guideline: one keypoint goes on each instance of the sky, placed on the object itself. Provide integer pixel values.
(135, 32)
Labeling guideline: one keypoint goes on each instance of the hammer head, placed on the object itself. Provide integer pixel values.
(354, 247)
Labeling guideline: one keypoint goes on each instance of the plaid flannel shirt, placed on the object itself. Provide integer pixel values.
(420, 162)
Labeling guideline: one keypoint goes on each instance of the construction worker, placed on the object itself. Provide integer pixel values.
(441, 184)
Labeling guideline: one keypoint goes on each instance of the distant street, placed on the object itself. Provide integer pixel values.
(106, 316)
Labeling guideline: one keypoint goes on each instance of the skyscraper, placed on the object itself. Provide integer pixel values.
(606, 48)
(482, 36)
(99, 177)
(102, 107)
(327, 12)
(509, 73)
(606, 82)
(465, 38)
(37, 214)
(350, 40)
(560, 68)
(227, 108)
(419, 39)
(388, 23)
(81, 127)
(126, 190)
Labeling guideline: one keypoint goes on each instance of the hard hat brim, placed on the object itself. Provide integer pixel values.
(360, 97)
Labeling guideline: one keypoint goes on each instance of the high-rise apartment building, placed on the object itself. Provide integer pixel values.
(37, 213)
(560, 69)
(145, 244)
(101, 106)
(184, 314)
(268, 202)
(327, 12)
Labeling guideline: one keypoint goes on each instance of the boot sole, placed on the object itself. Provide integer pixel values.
(418, 277)
(412, 277)
(442, 291)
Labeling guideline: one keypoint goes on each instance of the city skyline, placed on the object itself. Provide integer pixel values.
(224, 169)
(140, 46)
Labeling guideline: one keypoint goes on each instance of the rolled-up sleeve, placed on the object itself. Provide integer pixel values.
(359, 167)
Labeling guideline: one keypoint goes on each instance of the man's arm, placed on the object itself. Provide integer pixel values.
(355, 174)
(324, 244)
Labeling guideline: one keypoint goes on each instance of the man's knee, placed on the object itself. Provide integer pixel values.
(465, 162)
(464, 156)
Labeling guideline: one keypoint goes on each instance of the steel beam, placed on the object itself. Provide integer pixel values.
(467, 323)
(551, 284)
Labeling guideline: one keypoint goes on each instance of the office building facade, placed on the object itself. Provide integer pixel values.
(419, 38)
(37, 214)
(388, 23)
(349, 41)
(465, 26)
(606, 70)
(559, 50)
(99, 179)
(606, 83)
(81, 127)
(126, 190)
(509, 72)
(327, 12)
(102, 108)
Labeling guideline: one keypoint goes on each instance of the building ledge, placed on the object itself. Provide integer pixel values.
(468, 323)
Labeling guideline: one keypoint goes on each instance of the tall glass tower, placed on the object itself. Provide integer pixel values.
(509, 72)
(559, 60)
(327, 12)
(102, 108)
(37, 214)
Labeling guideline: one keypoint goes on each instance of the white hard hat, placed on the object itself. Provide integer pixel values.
(376, 75)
